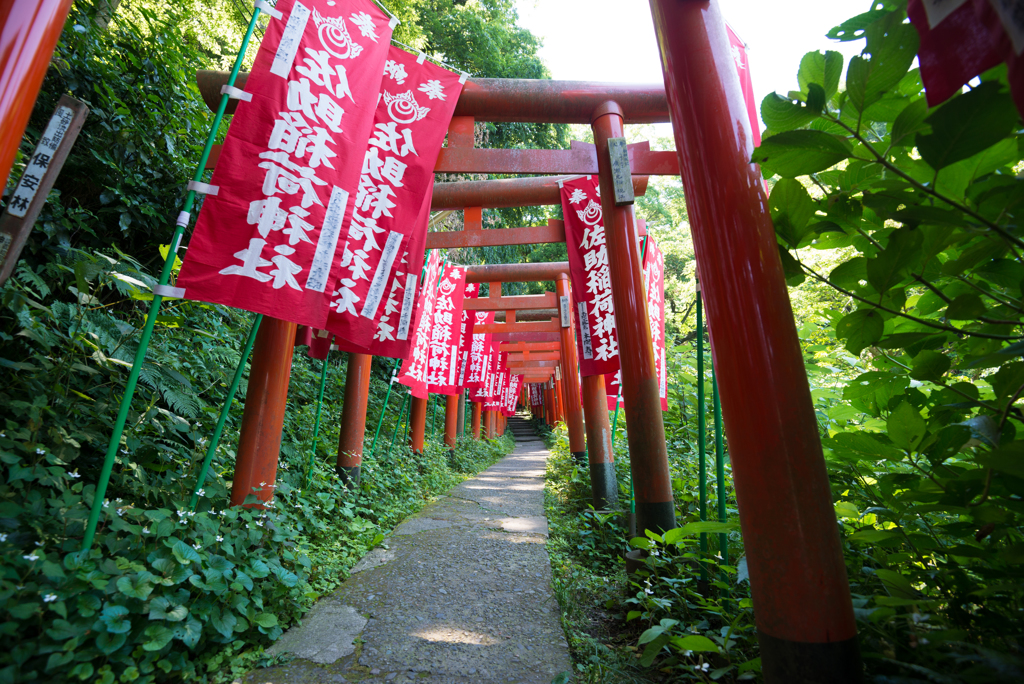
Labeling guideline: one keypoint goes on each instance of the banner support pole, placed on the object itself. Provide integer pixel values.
(723, 537)
(225, 410)
(702, 457)
(154, 308)
(316, 424)
(384, 407)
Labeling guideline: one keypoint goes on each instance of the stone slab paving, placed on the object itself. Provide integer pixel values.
(461, 594)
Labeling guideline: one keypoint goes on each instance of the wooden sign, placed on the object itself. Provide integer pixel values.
(42, 169)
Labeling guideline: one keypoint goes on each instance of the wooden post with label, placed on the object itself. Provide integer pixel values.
(40, 173)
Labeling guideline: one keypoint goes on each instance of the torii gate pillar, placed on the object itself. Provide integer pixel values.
(570, 376)
(802, 607)
(601, 458)
(417, 424)
(655, 509)
(353, 418)
(475, 418)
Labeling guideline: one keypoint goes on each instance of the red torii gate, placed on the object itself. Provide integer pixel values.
(801, 595)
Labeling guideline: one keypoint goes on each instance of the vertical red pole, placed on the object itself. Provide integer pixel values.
(549, 403)
(648, 454)
(353, 418)
(570, 373)
(417, 424)
(560, 394)
(451, 421)
(259, 442)
(475, 418)
(802, 604)
(29, 31)
(600, 456)
(573, 409)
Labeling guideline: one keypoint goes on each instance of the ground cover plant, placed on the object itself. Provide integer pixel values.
(898, 228)
(166, 592)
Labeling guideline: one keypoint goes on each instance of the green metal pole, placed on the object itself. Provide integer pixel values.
(224, 411)
(384, 408)
(154, 307)
(723, 538)
(398, 423)
(701, 427)
(316, 424)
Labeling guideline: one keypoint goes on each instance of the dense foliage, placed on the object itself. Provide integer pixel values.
(897, 225)
(166, 592)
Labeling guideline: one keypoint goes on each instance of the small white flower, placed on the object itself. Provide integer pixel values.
(106, 503)
(40, 451)
(181, 514)
(145, 530)
(120, 512)
(49, 598)
(648, 591)
(687, 654)
(3, 537)
(201, 492)
(263, 484)
(197, 546)
(260, 523)
(40, 544)
(220, 538)
(703, 667)
(74, 474)
(118, 500)
(31, 557)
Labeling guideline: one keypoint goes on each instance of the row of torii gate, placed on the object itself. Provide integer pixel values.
(798, 579)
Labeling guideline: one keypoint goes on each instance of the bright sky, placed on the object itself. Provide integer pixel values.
(613, 40)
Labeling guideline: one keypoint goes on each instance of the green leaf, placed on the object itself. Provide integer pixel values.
(709, 527)
(860, 329)
(968, 124)
(653, 649)
(798, 153)
(116, 619)
(909, 123)
(854, 446)
(695, 643)
(821, 69)
(885, 537)
(190, 632)
(108, 643)
(791, 208)
(897, 584)
(891, 48)
(905, 426)
(266, 620)
(780, 114)
(849, 274)
(845, 509)
(162, 608)
(930, 365)
(184, 553)
(1007, 380)
(1008, 459)
(888, 268)
(966, 307)
(224, 622)
(157, 636)
(136, 586)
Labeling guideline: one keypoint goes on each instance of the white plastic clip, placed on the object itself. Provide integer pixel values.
(168, 292)
(264, 6)
(463, 77)
(422, 58)
(203, 188)
(177, 244)
(183, 217)
(235, 93)
(395, 21)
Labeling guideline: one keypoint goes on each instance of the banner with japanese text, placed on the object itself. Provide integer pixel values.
(479, 356)
(269, 238)
(392, 201)
(471, 291)
(496, 398)
(515, 386)
(596, 337)
(400, 312)
(414, 365)
(654, 281)
(446, 333)
(535, 394)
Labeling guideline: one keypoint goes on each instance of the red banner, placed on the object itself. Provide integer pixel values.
(391, 212)
(471, 291)
(596, 337)
(446, 333)
(479, 357)
(515, 386)
(268, 239)
(654, 279)
(535, 394)
(414, 366)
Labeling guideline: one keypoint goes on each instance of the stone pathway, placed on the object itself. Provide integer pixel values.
(461, 594)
